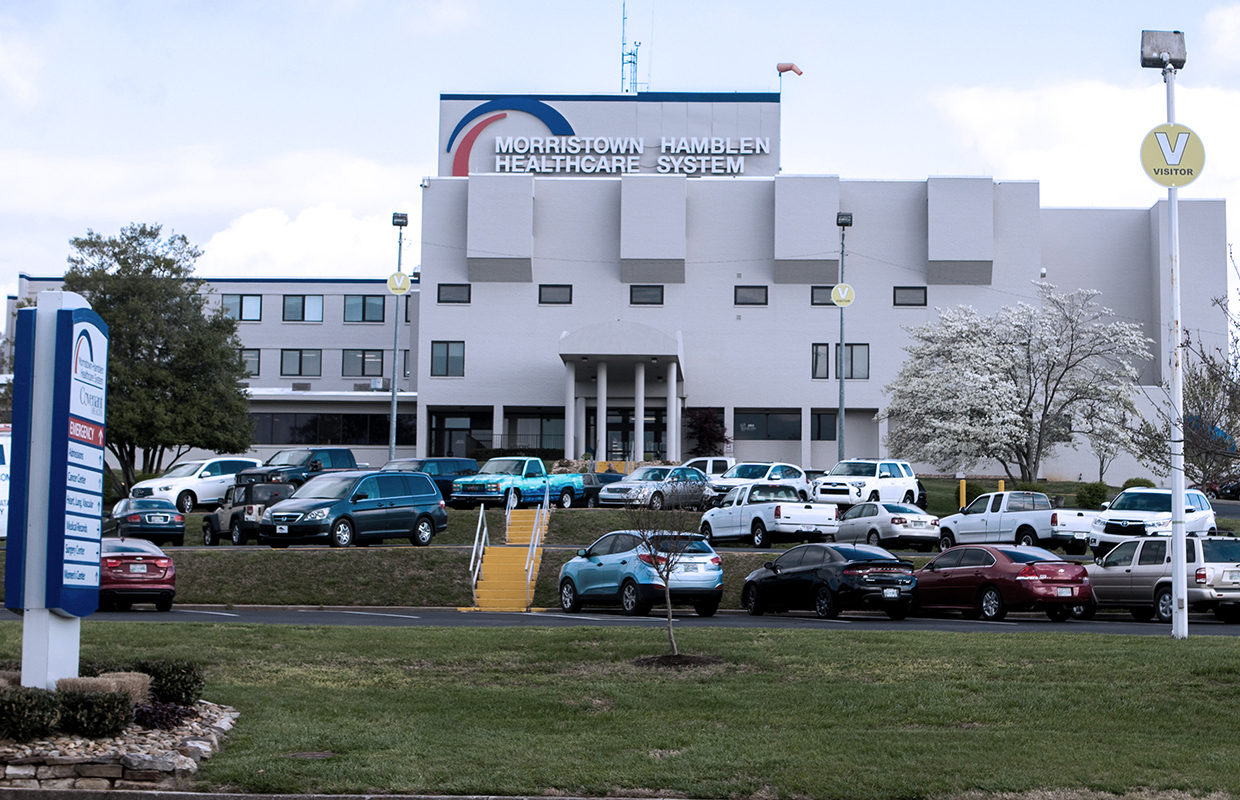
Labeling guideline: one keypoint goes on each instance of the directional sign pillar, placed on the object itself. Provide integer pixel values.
(56, 481)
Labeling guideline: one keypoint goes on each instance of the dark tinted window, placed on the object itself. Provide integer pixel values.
(555, 294)
(908, 295)
(1215, 550)
(454, 293)
(791, 559)
(976, 557)
(392, 486)
(750, 295)
(948, 560)
(646, 295)
(666, 544)
(821, 296)
(1153, 552)
(420, 484)
(813, 557)
(1028, 554)
(996, 503)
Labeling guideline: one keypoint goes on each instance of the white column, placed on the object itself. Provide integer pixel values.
(673, 415)
(579, 435)
(807, 437)
(570, 407)
(600, 450)
(424, 433)
(497, 426)
(639, 410)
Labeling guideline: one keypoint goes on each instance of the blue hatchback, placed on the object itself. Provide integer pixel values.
(619, 569)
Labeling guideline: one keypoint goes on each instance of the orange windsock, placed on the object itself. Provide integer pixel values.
(787, 66)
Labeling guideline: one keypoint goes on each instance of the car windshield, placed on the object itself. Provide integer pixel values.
(1226, 550)
(325, 488)
(748, 471)
(402, 466)
(503, 466)
(897, 508)
(186, 470)
(148, 503)
(1026, 555)
(289, 458)
(1155, 502)
(680, 544)
(648, 474)
(855, 468)
(765, 494)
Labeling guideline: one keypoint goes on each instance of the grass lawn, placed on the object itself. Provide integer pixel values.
(805, 713)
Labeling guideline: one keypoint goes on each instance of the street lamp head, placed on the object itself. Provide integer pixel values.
(1161, 49)
(400, 220)
(843, 220)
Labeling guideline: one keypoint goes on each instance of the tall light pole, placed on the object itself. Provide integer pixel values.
(843, 221)
(398, 285)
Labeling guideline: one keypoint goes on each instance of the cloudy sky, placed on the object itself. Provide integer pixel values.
(280, 136)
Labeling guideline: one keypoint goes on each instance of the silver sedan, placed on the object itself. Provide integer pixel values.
(886, 524)
(656, 487)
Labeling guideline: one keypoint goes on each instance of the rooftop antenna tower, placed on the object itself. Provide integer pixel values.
(628, 58)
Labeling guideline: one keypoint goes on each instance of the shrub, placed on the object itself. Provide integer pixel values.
(164, 716)
(27, 713)
(1146, 482)
(93, 667)
(94, 714)
(135, 684)
(1091, 495)
(1029, 486)
(173, 681)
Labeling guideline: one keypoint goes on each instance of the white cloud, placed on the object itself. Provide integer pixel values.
(19, 63)
(437, 17)
(1223, 39)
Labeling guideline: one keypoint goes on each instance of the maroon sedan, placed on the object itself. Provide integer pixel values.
(987, 581)
(135, 571)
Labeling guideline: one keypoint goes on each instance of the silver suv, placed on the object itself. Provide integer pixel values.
(1136, 575)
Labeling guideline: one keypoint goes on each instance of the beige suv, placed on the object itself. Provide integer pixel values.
(1136, 575)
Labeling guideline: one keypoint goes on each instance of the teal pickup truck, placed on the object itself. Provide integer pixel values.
(517, 475)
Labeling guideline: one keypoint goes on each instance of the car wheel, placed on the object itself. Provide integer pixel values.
(1142, 613)
(342, 533)
(163, 604)
(1075, 548)
(758, 535)
(1164, 605)
(1027, 537)
(990, 605)
(824, 604)
(592, 501)
(753, 606)
(1058, 613)
(706, 608)
(873, 498)
(1212, 494)
(234, 533)
(631, 601)
(708, 533)
(569, 601)
(656, 502)
(1084, 611)
(209, 537)
(566, 498)
(873, 539)
(186, 502)
(512, 498)
(908, 498)
(946, 541)
(423, 532)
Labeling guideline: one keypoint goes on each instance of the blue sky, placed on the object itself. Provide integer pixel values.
(280, 136)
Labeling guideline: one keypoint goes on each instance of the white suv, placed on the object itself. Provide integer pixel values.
(1141, 512)
(748, 472)
(855, 480)
(192, 483)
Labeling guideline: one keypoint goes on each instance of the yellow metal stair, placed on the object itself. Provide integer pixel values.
(502, 585)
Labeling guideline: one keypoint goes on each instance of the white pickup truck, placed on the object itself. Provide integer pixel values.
(764, 512)
(1008, 517)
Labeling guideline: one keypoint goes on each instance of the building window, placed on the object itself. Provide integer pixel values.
(245, 307)
(754, 424)
(363, 307)
(303, 308)
(362, 363)
(448, 359)
(454, 292)
(348, 429)
(250, 358)
(908, 296)
(405, 362)
(305, 363)
(822, 357)
(822, 426)
(821, 296)
(750, 295)
(856, 361)
(646, 295)
(553, 294)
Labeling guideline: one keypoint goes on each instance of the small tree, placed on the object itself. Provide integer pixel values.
(705, 427)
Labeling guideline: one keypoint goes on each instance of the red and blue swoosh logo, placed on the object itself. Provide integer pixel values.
(554, 120)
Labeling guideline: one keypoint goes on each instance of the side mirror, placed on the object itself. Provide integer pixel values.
(931, 567)
(1105, 506)
(1098, 560)
(581, 553)
(962, 509)
(359, 497)
(770, 565)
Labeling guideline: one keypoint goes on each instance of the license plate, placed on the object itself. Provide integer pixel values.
(1232, 576)
(137, 567)
(917, 523)
(689, 567)
(1064, 591)
(890, 594)
(157, 519)
(281, 529)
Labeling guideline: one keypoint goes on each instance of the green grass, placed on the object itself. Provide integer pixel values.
(805, 713)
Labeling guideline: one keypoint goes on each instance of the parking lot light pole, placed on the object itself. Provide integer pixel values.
(843, 221)
(399, 221)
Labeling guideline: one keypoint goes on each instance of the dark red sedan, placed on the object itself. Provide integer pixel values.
(987, 581)
(135, 571)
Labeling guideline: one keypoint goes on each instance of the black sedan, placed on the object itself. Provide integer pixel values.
(146, 518)
(830, 578)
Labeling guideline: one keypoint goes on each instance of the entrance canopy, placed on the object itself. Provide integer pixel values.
(619, 342)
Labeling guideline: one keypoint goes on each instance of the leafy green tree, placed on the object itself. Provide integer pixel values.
(174, 370)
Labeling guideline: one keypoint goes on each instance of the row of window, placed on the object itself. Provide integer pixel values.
(346, 429)
(759, 424)
(554, 294)
(307, 307)
(308, 363)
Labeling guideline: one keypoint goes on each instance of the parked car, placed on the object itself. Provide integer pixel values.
(193, 483)
(888, 525)
(518, 480)
(296, 465)
(357, 508)
(592, 483)
(239, 513)
(656, 487)
(765, 512)
(135, 571)
(145, 518)
(753, 472)
(868, 479)
(619, 569)
(1136, 574)
(1025, 518)
(711, 465)
(988, 581)
(443, 471)
(830, 578)
(1143, 512)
